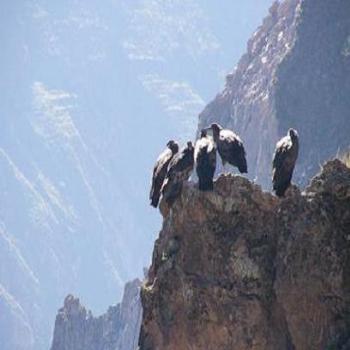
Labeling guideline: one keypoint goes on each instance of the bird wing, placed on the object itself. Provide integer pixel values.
(163, 159)
(228, 135)
(179, 169)
(283, 164)
(159, 170)
(231, 150)
(200, 144)
(228, 139)
(181, 161)
(281, 152)
(204, 144)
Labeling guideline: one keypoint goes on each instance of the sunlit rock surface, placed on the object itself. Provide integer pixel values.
(238, 268)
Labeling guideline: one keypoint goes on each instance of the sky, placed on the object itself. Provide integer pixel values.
(92, 90)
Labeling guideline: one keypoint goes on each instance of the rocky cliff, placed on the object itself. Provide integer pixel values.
(295, 73)
(117, 329)
(238, 268)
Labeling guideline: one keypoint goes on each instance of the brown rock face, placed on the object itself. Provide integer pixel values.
(295, 73)
(117, 329)
(241, 269)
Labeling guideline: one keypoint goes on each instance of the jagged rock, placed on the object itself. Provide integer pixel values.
(295, 73)
(239, 268)
(117, 329)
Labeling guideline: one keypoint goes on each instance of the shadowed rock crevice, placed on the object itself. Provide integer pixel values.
(238, 268)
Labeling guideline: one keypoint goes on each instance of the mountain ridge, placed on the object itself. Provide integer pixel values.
(295, 73)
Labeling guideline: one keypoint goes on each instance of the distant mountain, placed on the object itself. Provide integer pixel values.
(117, 329)
(295, 73)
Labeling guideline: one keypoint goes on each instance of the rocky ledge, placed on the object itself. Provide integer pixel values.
(238, 268)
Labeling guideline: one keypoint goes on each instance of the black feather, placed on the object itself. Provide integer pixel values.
(160, 171)
(284, 160)
(230, 147)
(205, 160)
(179, 170)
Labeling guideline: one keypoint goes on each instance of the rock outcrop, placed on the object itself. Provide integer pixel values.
(239, 268)
(295, 73)
(117, 329)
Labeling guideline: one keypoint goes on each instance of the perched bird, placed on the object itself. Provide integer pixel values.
(286, 154)
(205, 160)
(160, 170)
(179, 170)
(230, 147)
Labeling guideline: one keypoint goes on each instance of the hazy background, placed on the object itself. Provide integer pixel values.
(91, 91)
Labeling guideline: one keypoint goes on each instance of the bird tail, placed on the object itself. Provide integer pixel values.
(170, 190)
(243, 167)
(206, 184)
(279, 192)
(154, 201)
(280, 189)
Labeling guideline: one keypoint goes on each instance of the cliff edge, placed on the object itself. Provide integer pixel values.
(238, 268)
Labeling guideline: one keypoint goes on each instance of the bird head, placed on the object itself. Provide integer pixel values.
(203, 132)
(293, 134)
(173, 146)
(216, 129)
(189, 145)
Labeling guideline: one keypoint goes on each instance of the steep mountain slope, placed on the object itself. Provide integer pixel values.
(296, 73)
(239, 268)
(117, 329)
